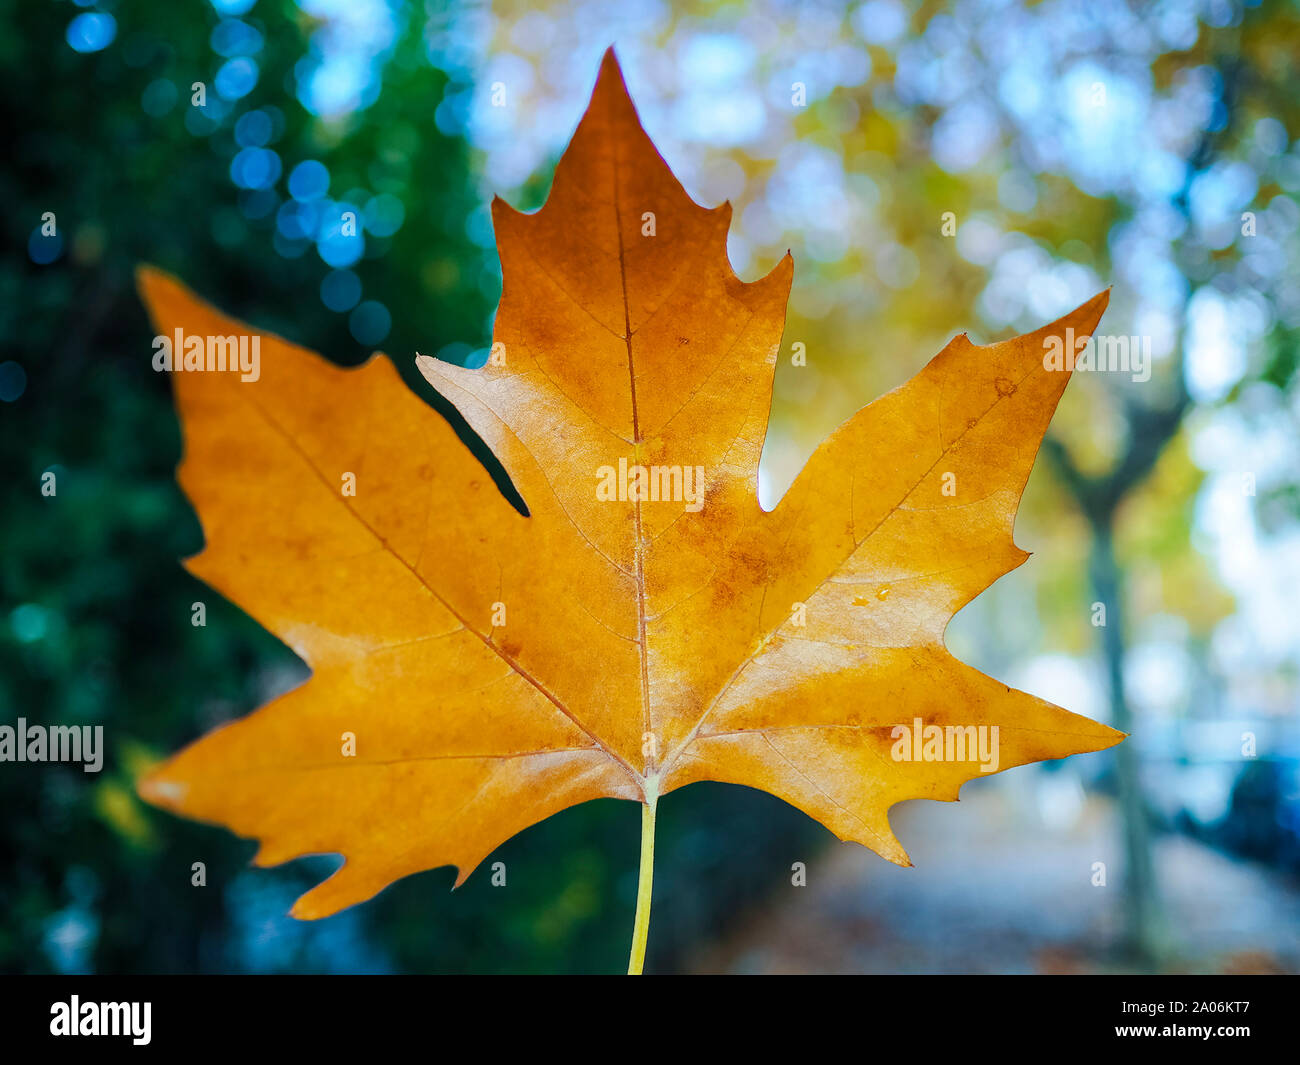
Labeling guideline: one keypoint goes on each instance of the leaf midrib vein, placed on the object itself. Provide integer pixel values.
(647, 714)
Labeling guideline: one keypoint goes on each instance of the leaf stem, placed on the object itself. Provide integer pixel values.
(645, 881)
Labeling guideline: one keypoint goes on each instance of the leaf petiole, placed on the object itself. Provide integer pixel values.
(645, 880)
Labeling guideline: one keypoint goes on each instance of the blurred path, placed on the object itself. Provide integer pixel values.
(995, 889)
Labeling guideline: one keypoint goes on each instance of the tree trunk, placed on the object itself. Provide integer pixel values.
(1145, 935)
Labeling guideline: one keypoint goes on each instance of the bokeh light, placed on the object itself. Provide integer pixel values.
(91, 32)
(370, 322)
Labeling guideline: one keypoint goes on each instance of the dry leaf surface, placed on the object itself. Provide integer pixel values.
(495, 668)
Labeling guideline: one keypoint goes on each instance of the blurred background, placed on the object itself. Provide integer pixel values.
(980, 166)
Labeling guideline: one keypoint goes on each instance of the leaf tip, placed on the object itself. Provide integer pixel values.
(145, 273)
(303, 910)
(1092, 310)
(160, 791)
(155, 285)
(1102, 738)
(783, 272)
(341, 890)
(428, 366)
(192, 564)
(610, 78)
(502, 211)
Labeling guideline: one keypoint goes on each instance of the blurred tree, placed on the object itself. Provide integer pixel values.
(1235, 56)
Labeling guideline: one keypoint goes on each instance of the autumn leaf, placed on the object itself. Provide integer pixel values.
(646, 624)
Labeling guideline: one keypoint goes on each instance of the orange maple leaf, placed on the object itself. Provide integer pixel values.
(647, 624)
